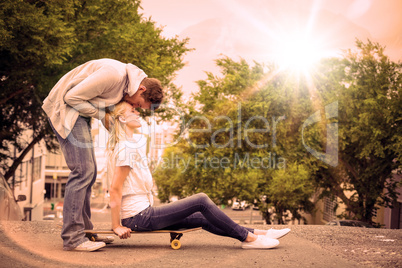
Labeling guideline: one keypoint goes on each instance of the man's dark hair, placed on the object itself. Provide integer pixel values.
(154, 93)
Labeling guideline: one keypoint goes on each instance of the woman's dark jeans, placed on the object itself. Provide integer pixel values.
(191, 212)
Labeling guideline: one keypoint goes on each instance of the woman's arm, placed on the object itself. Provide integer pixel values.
(120, 175)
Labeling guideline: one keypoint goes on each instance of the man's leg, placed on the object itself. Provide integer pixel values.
(86, 212)
(78, 152)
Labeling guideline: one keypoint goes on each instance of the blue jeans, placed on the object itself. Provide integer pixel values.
(191, 212)
(79, 154)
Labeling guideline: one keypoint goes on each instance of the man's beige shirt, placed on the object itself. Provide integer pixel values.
(88, 89)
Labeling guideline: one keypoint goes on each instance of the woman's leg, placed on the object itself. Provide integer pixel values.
(198, 220)
(214, 220)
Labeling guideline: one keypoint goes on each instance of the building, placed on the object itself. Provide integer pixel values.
(393, 216)
(329, 207)
(56, 175)
(29, 180)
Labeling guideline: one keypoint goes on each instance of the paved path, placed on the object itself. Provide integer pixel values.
(38, 244)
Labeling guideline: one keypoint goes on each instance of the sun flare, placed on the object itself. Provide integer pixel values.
(297, 53)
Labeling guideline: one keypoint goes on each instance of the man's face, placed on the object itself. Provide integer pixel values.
(137, 101)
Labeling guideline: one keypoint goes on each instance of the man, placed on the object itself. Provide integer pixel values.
(81, 94)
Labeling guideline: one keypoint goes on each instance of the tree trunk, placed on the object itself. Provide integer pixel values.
(12, 95)
(338, 191)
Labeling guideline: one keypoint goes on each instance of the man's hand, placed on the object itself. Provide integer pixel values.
(122, 232)
(108, 122)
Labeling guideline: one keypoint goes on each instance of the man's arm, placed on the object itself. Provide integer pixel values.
(92, 86)
(120, 174)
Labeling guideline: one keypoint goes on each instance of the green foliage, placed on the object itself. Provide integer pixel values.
(367, 86)
(291, 189)
(248, 115)
(42, 40)
(237, 142)
(30, 46)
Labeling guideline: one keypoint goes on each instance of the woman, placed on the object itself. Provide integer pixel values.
(131, 199)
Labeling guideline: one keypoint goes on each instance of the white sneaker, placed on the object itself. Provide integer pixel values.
(104, 238)
(89, 246)
(262, 242)
(276, 234)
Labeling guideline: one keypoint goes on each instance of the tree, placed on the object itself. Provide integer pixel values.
(367, 86)
(231, 147)
(291, 189)
(30, 46)
(362, 89)
(43, 40)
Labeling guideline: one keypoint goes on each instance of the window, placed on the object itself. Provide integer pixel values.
(26, 173)
(37, 168)
(158, 139)
(20, 175)
(329, 208)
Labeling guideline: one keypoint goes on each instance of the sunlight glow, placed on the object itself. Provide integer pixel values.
(297, 53)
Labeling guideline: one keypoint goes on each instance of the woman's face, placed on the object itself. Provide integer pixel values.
(131, 117)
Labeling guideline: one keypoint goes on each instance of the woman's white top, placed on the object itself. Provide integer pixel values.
(137, 188)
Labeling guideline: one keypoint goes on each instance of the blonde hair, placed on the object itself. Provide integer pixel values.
(117, 132)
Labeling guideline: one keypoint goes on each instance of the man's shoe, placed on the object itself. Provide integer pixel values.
(276, 234)
(89, 246)
(262, 242)
(103, 238)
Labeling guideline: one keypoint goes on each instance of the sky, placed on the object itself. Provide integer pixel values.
(279, 30)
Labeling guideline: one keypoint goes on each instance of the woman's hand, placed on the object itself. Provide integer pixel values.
(122, 232)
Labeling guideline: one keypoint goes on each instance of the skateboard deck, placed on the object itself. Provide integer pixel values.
(175, 235)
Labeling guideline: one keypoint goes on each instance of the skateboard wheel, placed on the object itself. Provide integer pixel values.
(93, 239)
(175, 244)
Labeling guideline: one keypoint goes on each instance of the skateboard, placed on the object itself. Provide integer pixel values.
(175, 235)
